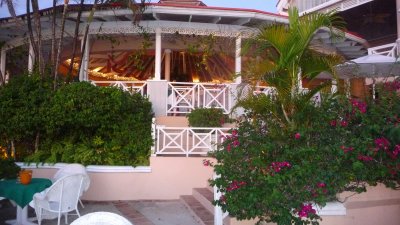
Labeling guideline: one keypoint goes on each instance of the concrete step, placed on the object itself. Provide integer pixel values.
(205, 197)
(200, 213)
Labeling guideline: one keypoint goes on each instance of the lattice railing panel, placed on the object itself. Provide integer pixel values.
(188, 140)
(129, 86)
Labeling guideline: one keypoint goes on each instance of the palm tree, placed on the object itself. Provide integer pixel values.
(290, 57)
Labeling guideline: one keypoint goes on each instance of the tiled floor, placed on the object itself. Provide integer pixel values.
(170, 212)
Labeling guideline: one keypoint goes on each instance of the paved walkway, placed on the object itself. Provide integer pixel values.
(163, 212)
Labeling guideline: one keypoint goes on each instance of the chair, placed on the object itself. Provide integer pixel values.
(74, 169)
(101, 218)
(59, 199)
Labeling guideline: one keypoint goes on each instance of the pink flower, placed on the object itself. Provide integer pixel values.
(228, 148)
(396, 150)
(361, 106)
(344, 123)
(278, 166)
(333, 123)
(381, 143)
(236, 143)
(306, 210)
(235, 185)
(234, 132)
(321, 185)
(297, 136)
(346, 149)
(206, 162)
(365, 158)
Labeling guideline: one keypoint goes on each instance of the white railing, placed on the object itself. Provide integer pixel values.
(184, 97)
(264, 90)
(129, 86)
(385, 50)
(188, 140)
(308, 6)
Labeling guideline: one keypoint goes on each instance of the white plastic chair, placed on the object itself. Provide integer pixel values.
(74, 169)
(59, 199)
(101, 218)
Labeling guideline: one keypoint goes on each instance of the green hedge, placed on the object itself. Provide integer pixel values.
(82, 123)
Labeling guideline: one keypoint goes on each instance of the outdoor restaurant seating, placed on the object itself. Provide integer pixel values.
(101, 218)
(70, 169)
(59, 199)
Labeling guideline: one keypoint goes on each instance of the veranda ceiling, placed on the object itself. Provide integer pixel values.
(172, 19)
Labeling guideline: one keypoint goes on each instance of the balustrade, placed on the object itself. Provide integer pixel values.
(188, 140)
(129, 86)
(184, 97)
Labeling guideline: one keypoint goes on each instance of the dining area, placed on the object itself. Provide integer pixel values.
(39, 200)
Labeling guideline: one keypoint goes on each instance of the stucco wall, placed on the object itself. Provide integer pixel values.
(378, 206)
(169, 178)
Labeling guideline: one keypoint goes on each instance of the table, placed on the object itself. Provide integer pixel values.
(22, 195)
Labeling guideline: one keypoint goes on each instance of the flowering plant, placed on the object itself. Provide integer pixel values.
(275, 171)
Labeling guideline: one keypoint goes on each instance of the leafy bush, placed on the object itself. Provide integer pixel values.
(274, 171)
(22, 103)
(77, 123)
(9, 170)
(96, 125)
(206, 117)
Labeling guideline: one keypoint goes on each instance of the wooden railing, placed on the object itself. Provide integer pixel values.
(184, 97)
(188, 140)
(129, 86)
(385, 50)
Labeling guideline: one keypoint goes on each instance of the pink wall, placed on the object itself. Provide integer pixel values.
(169, 178)
(378, 206)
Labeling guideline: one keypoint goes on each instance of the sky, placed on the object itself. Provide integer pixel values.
(264, 5)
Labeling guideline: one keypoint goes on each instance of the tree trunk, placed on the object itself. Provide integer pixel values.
(36, 16)
(37, 141)
(53, 37)
(30, 29)
(60, 43)
(75, 41)
(86, 33)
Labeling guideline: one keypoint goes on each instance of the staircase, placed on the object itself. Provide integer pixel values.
(200, 204)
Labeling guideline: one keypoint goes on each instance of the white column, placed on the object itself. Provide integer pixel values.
(167, 64)
(157, 75)
(31, 58)
(334, 86)
(3, 64)
(347, 87)
(398, 27)
(84, 72)
(238, 60)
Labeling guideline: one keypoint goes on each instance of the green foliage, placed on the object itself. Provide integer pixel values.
(272, 171)
(288, 57)
(8, 169)
(77, 123)
(206, 117)
(22, 103)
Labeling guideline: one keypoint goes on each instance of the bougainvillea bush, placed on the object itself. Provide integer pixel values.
(278, 172)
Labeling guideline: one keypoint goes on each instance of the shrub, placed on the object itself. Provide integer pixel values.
(9, 170)
(274, 171)
(96, 125)
(77, 123)
(22, 103)
(206, 117)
